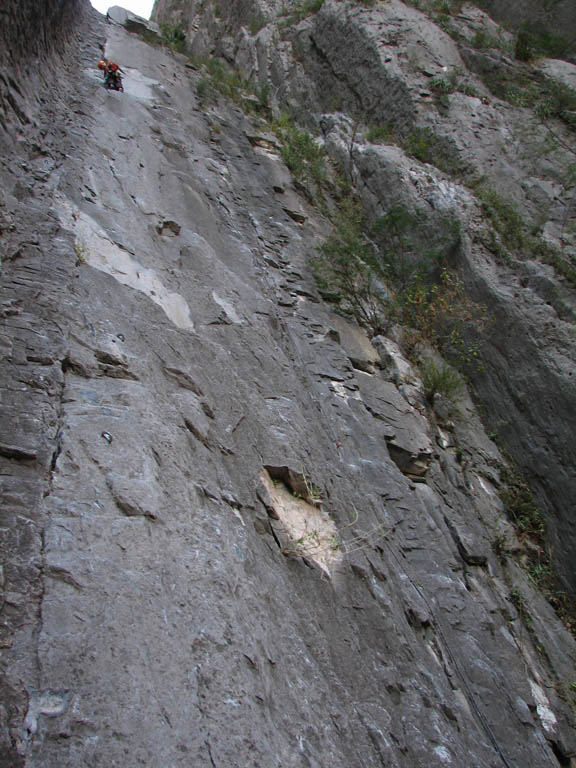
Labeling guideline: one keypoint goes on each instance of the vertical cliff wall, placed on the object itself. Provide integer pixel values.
(38, 54)
(31, 36)
(234, 532)
(32, 32)
(383, 65)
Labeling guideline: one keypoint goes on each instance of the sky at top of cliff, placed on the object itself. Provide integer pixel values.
(140, 7)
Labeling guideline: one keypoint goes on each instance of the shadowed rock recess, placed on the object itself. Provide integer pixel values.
(237, 528)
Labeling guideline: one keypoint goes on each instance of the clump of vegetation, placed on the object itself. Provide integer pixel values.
(513, 234)
(445, 317)
(347, 269)
(532, 43)
(422, 144)
(303, 156)
(256, 24)
(441, 11)
(393, 233)
(174, 36)
(516, 86)
(302, 10)
(530, 524)
(438, 8)
(442, 89)
(311, 544)
(542, 576)
(225, 80)
(379, 274)
(500, 546)
(307, 490)
(523, 87)
(427, 147)
(548, 254)
(568, 693)
(520, 505)
(483, 40)
(504, 216)
(442, 85)
(448, 7)
(521, 604)
(220, 79)
(441, 379)
(557, 101)
(205, 91)
(468, 90)
(382, 133)
(81, 251)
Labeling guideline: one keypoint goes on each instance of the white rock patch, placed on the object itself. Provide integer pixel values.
(98, 251)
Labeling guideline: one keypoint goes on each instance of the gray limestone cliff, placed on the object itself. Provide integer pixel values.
(354, 65)
(235, 530)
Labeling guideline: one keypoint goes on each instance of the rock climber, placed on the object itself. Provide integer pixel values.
(111, 71)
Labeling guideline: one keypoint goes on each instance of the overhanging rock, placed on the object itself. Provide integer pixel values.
(134, 23)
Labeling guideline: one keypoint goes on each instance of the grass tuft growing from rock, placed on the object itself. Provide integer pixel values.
(514, 235)
(520, 86)
(441, 379)
(302, 10)
(520, 506)
(423, 144)
(221, 80)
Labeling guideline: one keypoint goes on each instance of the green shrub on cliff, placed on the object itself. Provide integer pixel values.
(427, 147)
(174, 36)
(520, 505)
(504, 216)
(523, 87)
(227, 81)
(532, 42)
(382, 133)
(302, 10)
(423, 143)
(347, 270)
(304, 158)
(442, 314)
(484, 41)
(441, 379)
(511, 234)
(220, 78)
(381, 273)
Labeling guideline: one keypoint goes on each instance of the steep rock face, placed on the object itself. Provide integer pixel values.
(239, 536)
(556, 16)
(379, 65)
(34, 51)
(30, 35)
(30, 30)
